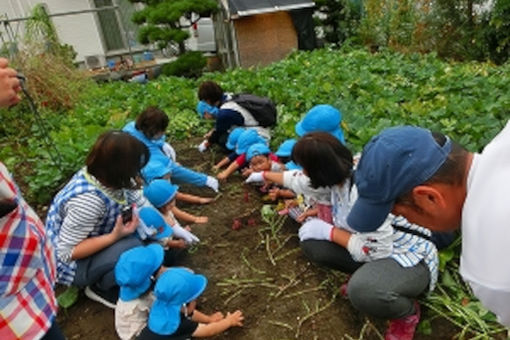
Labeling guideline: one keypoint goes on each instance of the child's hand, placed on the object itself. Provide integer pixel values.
(201, 219)
(179, 244)
(247, 172)
(222, 176)
(216, 317)
(235, 319)
(205, 200)
(291, 203)
(215, 168)
(301, 218)
(274, 193)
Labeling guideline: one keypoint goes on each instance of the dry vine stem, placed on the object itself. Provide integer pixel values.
(313, 313)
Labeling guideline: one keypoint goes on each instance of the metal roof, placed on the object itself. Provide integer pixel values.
(242, 8)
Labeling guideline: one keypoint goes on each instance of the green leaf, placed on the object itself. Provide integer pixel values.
(68, 297)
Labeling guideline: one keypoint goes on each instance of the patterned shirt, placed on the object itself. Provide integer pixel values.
(27, 273)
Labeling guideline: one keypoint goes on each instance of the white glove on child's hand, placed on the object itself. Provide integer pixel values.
(169, 151)
(212, 183)
(255, 177)
(371, 246)
(203, 146)
(315, 229)
(187, 236)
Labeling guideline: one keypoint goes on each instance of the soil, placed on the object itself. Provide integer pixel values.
(258, 269)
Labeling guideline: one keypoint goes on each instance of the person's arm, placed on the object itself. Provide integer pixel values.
(200, 317)
(221, 163)
(228, 171)
(180, 196)
(213, 328)
(9, 85)
(187, 217)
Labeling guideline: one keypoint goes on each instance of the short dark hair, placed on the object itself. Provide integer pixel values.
(209, 91)
(152, 121)
(324, 159)
(116, 158)
(451, 172)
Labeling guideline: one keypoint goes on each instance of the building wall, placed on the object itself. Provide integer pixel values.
(265, 38)
(81, 30)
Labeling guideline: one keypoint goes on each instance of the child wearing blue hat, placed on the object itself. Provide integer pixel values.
(284, 153)
(245, 140)
(322, 118)
(133, 273)
(173, 314)
(232, 139)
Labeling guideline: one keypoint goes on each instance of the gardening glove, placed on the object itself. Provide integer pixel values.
(212, 183)
(315, 229)
(203, 146)
(187, 236)
(371, 246)
(169, 151)
(255, 177)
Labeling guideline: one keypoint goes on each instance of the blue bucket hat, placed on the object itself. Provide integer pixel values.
(159, 192)
(203, 107)
(233, 137)
(257, 149)
(292, 166)
(392, 163)
(157, 167)
(134, 269)
(323, 118)
(285, 149)
(247, 138)
(174, 288)
(153, 219)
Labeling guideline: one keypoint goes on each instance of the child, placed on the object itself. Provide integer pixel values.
(230, 145)
(323, 118)
(284, 153)
(133, 273)
(173, 314)
(157, 169)
(247, 138)
(157, 228)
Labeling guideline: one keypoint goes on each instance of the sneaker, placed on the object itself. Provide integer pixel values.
(107, 298)
(403, 328)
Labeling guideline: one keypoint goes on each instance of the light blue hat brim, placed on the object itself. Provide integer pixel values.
(299, 129)
(338, 134)
(164, 319)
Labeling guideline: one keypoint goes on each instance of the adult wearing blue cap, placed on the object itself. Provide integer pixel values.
(324, 118)
(435, 182)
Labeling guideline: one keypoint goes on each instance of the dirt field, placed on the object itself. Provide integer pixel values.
(258, 269)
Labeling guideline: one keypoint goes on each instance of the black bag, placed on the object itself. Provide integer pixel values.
(261, 108)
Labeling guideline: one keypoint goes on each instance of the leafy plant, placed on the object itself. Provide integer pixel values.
(189, 64)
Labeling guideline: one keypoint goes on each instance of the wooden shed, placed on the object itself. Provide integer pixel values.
(259, 32)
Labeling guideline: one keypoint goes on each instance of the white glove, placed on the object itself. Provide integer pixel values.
(203, 146)
(255, 177)
(169, 151)
(365, 247)
(212, 183)
(187, 236)
(315, 229)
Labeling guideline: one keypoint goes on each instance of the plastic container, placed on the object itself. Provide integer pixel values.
(147, 56)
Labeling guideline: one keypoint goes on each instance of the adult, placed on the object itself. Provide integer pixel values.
(433, 181)
(229, 114)
(390, 266)
(149, 128)
(84, 219)
(28, 306)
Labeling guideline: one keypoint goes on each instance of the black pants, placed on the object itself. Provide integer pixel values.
(54, 333)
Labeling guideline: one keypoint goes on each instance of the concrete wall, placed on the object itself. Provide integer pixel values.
(80, 30)
(265, 38)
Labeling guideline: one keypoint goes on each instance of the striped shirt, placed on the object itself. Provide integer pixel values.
(27, 269)
(83, 208)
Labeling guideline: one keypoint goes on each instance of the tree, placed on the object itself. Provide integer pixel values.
(165, 21)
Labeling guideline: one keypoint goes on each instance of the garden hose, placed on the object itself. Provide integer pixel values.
(56, 158)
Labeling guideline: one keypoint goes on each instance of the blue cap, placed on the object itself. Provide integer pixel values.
(247, 138)
(285, 149)
(257, 149)
(153, 219)
(203, 107)
(293, 166)
(134, 269)
(233, 137)
(392, 163)
(175, 287)
(157, 167)
(323, 118)
(159, 192)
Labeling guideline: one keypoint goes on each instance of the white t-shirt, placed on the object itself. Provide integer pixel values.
(486, 227)
(131, 316)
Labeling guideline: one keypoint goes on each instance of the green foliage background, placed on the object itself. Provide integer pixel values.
(468, 101)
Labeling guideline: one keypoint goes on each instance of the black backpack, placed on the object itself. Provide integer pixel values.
(261, 108)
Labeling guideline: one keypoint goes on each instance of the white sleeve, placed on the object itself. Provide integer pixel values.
(300, 184)
(497, 301)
